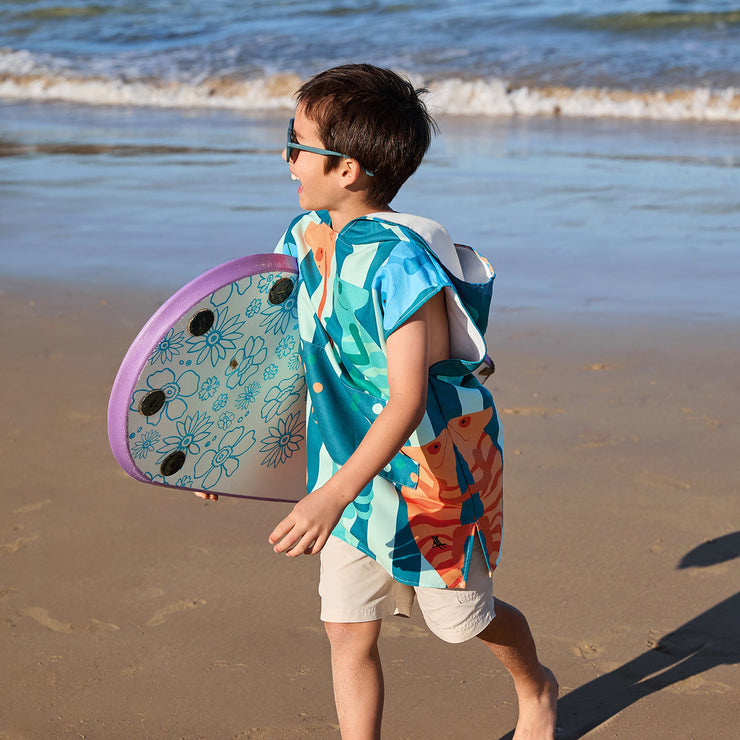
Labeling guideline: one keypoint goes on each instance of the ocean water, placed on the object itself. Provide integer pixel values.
(590, 150)
(665, 59)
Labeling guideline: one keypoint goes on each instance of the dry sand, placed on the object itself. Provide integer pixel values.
(127, 611)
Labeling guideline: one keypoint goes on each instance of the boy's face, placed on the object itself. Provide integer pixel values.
(318, 190)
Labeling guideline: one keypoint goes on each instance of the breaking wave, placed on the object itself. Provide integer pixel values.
(22, 78)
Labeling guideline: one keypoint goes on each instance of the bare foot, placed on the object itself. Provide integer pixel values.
(538, 711)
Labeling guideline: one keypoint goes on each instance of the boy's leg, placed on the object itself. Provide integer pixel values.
(510, 640)
(357, 677)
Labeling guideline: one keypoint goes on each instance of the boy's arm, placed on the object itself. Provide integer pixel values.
(309, 524)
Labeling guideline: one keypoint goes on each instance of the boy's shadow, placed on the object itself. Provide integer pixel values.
(709, 640)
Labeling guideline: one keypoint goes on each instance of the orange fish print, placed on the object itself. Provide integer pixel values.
(435, 506)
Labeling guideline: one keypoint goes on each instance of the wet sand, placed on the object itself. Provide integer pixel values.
(129, 611)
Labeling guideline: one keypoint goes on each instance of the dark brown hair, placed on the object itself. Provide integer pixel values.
(374, 116)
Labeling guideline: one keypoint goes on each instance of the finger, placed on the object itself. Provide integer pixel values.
(281, 530)
(317, 545)
(309, 549)
(289, 540)
(302, 545)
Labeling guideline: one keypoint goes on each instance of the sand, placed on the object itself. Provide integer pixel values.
(127, 611)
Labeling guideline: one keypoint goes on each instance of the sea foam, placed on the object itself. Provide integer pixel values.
(25, 77)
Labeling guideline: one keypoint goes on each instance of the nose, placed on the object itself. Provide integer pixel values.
(284, 155)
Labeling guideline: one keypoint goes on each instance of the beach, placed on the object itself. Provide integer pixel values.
(131, 611)
(591, 152)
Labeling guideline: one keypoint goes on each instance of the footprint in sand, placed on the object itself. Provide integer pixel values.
(700, 686)
(12, 546)
(306, 725)
(31, 508)
(659, 480)
(91, 627)
(392, 629)
(587, 650)
(531, 411)
(163, 614)
(594, 438)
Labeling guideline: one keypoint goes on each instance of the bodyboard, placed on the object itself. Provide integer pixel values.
(211, 394)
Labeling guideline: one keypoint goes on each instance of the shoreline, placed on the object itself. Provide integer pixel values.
(126, 610)
(62, 294)
(579, 218)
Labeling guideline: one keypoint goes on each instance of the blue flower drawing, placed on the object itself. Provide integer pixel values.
(212, 464)
(270, 372)
(282, 396)
(185, 482)
(247, 359)
(253, 308)
(285, 346)
(218, 340)
(145, 444)
(283, 440)
(225, 420)
(223, 295)
(190, 433)
(220, 402)
(280, 317)
(208, 388)
(156, 478)
(248, 395)
(175, 389)
(266, 282)
(169, 346)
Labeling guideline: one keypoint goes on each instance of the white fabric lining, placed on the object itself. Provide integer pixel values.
(466, 342)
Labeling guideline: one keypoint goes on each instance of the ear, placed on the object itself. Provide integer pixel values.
(349, 172)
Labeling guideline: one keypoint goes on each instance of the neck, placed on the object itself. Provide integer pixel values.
(341, 217)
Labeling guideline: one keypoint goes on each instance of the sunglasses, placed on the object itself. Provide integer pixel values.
(291, 145)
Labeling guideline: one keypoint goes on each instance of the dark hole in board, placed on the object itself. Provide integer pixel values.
(152, 402)
(201, 322)
(280, 291)
(172, 463)
(234, 364)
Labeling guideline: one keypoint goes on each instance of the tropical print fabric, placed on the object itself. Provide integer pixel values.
(420, 516)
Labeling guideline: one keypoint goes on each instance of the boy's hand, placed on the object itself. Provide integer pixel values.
(308, 526)
(207, 496)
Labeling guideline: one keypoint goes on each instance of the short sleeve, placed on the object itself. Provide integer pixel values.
(405, 282)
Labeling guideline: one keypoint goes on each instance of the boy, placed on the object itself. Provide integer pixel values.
(403, 443)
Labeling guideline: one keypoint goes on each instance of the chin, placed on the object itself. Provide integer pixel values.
(306, 204)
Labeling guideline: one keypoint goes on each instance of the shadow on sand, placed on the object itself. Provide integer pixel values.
(708, 640)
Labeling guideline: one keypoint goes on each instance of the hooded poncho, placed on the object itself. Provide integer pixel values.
(420, 516)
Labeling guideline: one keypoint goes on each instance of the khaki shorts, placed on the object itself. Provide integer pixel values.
(354, 588)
